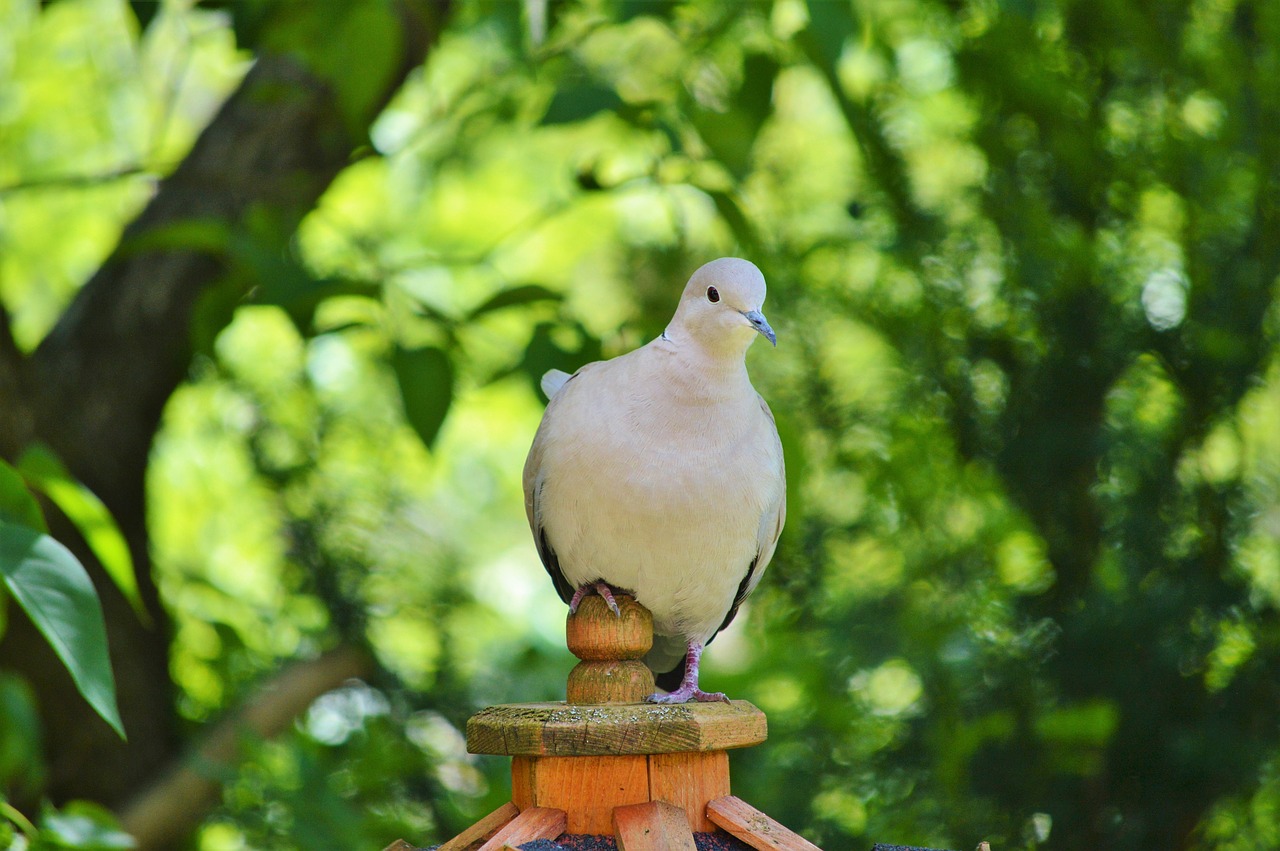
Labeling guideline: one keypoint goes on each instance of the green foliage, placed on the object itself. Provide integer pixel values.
(48, 582)
(47, 474)
(1022, 261)
(51, 586)
(20, 741)
(425, 378)
(333, 38)
(18, 505)
(80, 825)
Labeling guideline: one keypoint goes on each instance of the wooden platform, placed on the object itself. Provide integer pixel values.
(564, 729)
(605, 762)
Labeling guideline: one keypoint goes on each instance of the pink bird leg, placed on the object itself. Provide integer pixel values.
(689, 685)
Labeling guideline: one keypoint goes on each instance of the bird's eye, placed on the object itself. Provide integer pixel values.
(713, 295)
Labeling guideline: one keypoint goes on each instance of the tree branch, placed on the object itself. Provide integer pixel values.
(76, 181)
(167, 812)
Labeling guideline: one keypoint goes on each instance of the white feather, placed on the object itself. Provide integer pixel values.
(552, 381)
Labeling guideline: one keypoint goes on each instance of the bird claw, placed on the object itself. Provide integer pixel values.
(601, 588)
(684, 695)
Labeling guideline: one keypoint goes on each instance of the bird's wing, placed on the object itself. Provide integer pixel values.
(771, 523)
(552, 383)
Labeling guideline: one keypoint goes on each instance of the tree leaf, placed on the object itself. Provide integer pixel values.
(544, 353)
(205, 235)
(733, 215)
(333, 39)
(54, 590)
(20, 746)
(84, 825)
(575, 103)
(654, 8)
(45, 472)
(515, 296)
(144, 11)
(17, 504)
(732, 134)
(280, 279)
(425, 378)
(830, 24)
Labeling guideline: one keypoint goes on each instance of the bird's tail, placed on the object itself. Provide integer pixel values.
(553, 380)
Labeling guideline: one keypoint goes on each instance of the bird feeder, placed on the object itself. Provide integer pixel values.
(604, 762)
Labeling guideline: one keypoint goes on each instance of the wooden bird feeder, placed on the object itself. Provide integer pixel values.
(606, 763)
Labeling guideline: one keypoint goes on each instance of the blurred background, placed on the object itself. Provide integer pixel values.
(277, 281)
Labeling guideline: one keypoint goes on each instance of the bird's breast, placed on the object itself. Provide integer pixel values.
(664, 501)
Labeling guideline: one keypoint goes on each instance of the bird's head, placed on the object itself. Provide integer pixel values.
(720, 307)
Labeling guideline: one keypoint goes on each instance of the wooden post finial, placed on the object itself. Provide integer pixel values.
(607, 762)
(610, 647)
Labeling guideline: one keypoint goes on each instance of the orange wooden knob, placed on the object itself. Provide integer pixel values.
(595, 633)
(618, 681)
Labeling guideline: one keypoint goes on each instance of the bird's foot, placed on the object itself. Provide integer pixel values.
(602, 588)
(684, 694)
(689, 685)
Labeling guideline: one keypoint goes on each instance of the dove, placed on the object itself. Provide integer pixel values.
(659, 474)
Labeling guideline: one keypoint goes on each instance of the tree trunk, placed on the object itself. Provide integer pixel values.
(95, 388)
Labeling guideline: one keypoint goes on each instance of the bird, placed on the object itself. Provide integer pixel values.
(660, 474)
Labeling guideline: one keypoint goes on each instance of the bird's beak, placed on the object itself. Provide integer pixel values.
(758, 322)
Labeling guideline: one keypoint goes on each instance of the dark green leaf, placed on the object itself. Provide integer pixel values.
(20, 756)
(280, 280)
(144, 11)
(352, 47)
(830, 23)
(732, 134)
(214, 307)
(653, 8)
(574, 103)
(425, 379)
(17, 504)
(545, 353)
(248, 18)
(737, 220)
(526, 294)
(46, 473)
(501, 18)
(209, 236)
(435, 314)
(52, 587)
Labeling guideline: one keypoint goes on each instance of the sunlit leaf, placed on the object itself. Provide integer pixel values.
(52, 587)
(84, 825)
(425, 379)
(46, 473)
